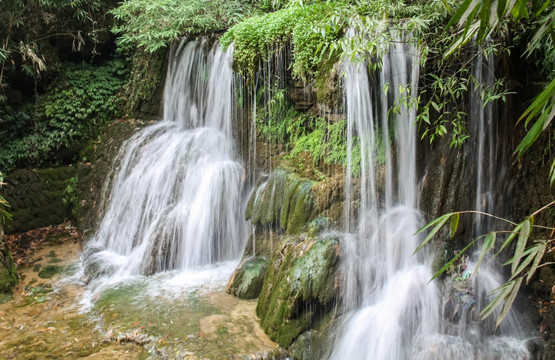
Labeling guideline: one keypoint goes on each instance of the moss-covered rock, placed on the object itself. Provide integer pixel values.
(283, 200)
(300, 286)
(246, 281)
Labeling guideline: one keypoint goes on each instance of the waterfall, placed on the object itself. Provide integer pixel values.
(176, 199)
(393, 311)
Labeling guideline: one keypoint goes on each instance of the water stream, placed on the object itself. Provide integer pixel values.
(177, 193)
(393, 310)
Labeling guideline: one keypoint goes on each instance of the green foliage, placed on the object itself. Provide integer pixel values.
(526, 259)
(152, 24)
(256, 37)
(25, 25)
(4, 214)
(72, 193)
(71, 112)
(278, 122)
(480, 19)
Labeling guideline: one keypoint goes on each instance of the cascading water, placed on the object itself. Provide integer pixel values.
(393, 310)
(177, 196)
(387, 285)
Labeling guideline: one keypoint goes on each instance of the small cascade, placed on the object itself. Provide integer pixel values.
(393, 311)
(176, 198)
(394, 308)
(489, 158)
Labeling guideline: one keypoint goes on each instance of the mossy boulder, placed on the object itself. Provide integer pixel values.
(246, 281)
(283, 200)
(300, 286)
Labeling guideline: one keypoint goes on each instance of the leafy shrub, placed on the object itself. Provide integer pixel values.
(72, 111)
(257, 36)
(152, 24)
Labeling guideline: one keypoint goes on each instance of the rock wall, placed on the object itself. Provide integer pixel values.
(51, 196)
(37, 197)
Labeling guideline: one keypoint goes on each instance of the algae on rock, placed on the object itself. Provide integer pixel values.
(300, 287)
(285, 199)
(246, 281)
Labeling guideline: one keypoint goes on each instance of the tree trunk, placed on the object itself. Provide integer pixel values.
(8, 275)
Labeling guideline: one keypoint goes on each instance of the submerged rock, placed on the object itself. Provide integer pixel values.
(246, 281)
(300, 287)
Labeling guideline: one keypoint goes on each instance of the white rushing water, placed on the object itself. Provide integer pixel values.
(394, 312)
(176, 199)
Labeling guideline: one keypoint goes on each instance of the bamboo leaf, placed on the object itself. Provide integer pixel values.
(454, 224)
(537, 259)
(525, 253)
(503, 291)
(488, 244)
(539, 102)
(531, 136)
(527, 260)
(509, 301)
(501, 7)
(484, 19)
(521, 244)
(438, 223)
(511, 236)
(458, 14)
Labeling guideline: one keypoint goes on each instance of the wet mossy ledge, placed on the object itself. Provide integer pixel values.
(287, 202)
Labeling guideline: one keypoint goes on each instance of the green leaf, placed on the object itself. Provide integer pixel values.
(531, 253)
(539, 102)
(459, 13)
(453, 225)
(521, 243)
(487, 245)
(502, 291)
(509, 302)
(501, 7)
(484, 19)
(437, 223)
(511, 236)
(539, 256)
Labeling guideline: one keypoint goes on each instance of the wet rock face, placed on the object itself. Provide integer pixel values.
(300, 288)
(284, 200)
(8, 274)
(246, 281)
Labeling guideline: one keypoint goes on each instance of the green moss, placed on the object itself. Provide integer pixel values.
(299, 287)
(49, 271)
(327, 85)
(286, 200)
(302, 209)
(247, 280)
